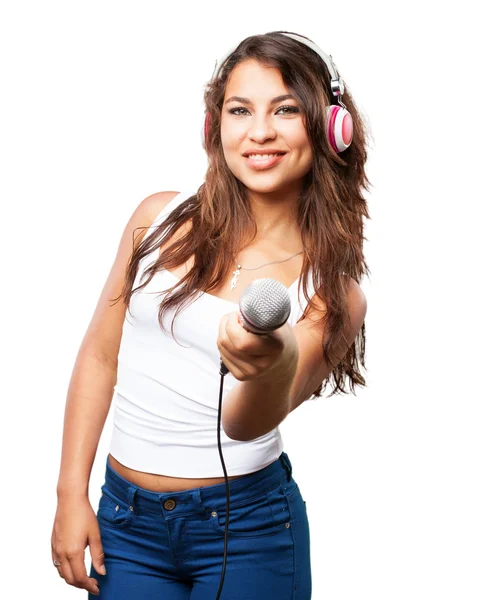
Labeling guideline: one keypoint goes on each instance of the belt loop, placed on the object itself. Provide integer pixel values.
(131, 496)
(287, 465)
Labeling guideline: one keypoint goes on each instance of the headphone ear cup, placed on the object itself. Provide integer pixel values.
(340, 127)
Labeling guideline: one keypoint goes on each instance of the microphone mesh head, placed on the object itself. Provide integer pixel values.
(265, 305)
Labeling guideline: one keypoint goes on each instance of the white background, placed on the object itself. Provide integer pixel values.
(101, 106)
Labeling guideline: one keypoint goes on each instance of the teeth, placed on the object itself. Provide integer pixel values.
(262, 156)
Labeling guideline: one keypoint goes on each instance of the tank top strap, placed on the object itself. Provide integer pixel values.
(147, 260)
(172, 204)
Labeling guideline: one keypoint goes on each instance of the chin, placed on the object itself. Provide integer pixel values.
(265, 187)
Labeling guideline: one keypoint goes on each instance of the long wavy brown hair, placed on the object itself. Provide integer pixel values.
(330, 208)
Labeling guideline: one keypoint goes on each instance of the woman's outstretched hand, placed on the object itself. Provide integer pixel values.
(250, 356)
(74, 528)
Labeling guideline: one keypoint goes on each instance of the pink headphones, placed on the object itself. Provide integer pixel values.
(340, 122)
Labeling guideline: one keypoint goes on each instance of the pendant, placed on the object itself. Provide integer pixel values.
(236, 274)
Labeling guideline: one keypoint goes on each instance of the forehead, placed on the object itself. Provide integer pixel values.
(252, 79)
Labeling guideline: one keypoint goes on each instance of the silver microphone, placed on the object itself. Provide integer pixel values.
(264, 306)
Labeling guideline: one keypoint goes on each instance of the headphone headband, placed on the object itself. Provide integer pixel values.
(337, 85)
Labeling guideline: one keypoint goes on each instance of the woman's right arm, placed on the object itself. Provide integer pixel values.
(94, 373)
(87, 405)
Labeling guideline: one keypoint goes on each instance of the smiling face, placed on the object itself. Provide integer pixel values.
(260, 119)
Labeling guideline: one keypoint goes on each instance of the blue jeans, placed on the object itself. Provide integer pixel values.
(170, 545)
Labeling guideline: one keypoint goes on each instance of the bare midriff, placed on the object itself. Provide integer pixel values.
(163, 483)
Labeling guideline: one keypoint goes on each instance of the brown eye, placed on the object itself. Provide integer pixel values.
(232, 110)
(291, 109)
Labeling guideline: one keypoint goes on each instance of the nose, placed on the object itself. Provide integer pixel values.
(261, 129)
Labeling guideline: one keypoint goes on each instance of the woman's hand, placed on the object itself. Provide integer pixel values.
(250, 356)
(74, 528)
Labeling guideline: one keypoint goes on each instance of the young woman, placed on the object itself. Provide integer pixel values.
(281, 199)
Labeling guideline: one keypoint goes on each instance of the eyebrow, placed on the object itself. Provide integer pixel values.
(248, 101)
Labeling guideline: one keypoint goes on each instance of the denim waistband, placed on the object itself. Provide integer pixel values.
(208, 497)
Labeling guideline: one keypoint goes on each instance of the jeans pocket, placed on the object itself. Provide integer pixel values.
(113, 512)
(263, 515)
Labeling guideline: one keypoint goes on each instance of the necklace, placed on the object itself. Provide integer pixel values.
(237, 272)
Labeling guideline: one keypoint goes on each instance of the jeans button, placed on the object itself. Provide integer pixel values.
(169, 504)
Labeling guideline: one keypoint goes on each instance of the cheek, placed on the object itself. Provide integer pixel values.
(304, 144)
(296, 137)
(229, 142)
(308, 154)
(232, 133)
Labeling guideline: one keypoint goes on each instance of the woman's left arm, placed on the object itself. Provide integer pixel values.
(278, 372)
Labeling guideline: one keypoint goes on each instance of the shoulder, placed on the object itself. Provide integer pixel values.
(355, 300)
(145, 213)
(152, 205)
(356, 307)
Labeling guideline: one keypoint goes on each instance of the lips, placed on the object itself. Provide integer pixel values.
(259, 164)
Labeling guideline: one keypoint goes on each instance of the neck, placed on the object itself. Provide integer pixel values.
(275, 216)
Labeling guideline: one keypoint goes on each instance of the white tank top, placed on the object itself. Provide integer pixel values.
(166, 395)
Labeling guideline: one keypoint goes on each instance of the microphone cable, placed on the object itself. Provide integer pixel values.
(263, 307)
(223, 372)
